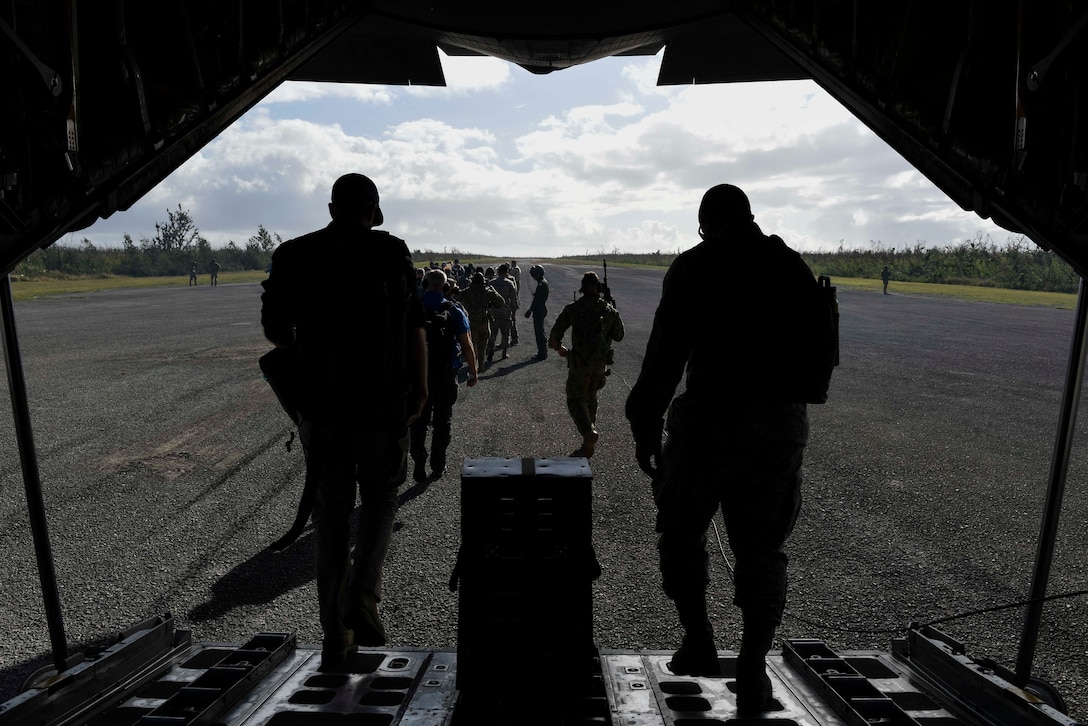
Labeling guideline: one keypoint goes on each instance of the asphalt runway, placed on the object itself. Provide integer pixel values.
(166, 475)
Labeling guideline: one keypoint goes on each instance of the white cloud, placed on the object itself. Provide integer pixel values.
(508, 163)
(308, 91)
(643, 75)
(466, 75)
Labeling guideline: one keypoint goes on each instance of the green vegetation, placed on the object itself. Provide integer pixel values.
(1017, 272)
(30, 289)
(1016, 265)
(177, 244)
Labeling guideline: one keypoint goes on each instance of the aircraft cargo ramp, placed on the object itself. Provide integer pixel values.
(925, 680)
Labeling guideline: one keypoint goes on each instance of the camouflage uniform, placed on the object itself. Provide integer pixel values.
(515, 275)
(595, 325)
(501, 315)
(477, 299)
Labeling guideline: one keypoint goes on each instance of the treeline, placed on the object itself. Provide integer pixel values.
(1016, 265)
(177, 244)
(653, 259)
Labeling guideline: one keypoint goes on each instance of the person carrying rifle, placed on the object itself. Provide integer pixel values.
(594, 325)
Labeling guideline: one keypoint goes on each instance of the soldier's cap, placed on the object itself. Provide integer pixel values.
(478, 278)
(536, 271)
(590, 278)
(355, 189)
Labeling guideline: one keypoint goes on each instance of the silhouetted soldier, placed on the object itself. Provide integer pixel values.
(362, 379)
(733, 442)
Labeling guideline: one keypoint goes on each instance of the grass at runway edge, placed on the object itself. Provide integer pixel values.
(22, 290)
(31, 289)
(972, 293)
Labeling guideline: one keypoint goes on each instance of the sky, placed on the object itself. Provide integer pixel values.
(587, 160)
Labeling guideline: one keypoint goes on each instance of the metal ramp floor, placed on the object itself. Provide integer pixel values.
(154, 676)
(414, 687)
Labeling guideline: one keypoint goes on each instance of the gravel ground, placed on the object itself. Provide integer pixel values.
(165, 476)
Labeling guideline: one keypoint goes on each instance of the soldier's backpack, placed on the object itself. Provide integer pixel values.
(589, 340)
(441, 336)
(792, 361)
(820, 350)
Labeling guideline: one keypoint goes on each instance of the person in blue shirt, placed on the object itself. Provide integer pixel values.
(448, 342)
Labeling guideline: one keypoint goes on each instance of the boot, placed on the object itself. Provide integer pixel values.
(438, 465)
(697, 655)
(365, 622)
(419, 470)
(335, 650)
(589, 443)
(754, 691)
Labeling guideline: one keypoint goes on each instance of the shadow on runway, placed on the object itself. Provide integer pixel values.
(495, 371)
(260, 579)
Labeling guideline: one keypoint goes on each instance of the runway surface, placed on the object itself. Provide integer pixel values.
(165, 476)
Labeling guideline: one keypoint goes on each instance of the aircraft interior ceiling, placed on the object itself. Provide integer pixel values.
(104, 100)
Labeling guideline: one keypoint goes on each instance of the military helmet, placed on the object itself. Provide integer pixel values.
(590, 278)
(536, 272)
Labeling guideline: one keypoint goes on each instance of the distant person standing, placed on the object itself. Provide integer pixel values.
(215, 273)
(594, 325)
(538, 309)
(885, 275)
(192, 275)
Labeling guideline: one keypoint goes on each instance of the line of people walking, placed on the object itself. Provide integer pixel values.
(490, 304)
